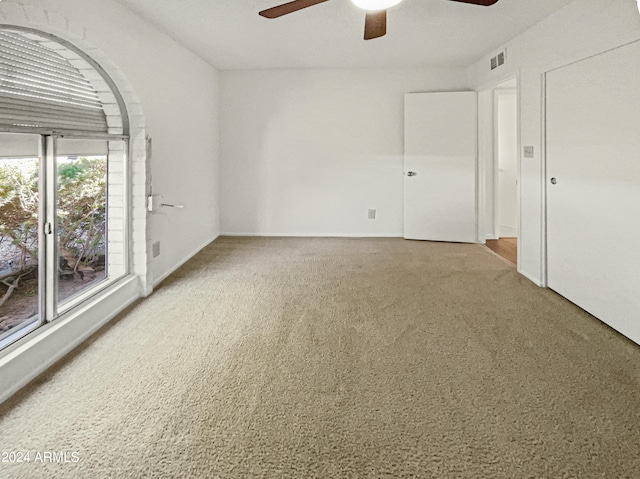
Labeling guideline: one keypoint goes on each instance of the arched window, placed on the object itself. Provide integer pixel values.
(63, 180)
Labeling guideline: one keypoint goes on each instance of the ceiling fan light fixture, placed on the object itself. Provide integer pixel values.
(375, 5)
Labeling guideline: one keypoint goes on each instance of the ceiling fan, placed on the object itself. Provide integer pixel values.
(376, 19)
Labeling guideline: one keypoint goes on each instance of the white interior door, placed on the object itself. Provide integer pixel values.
(593, 186)
(440, 166)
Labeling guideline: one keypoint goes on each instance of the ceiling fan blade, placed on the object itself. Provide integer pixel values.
(290, 7)
(375, 25)
(484, 3)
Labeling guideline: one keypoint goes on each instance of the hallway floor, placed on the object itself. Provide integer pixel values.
(505, 247)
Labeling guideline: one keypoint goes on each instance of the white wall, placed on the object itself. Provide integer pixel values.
(179, 98)
(308, 152)
(583, 28)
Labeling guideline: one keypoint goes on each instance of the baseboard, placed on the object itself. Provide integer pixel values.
(490, 237)
(305, 235)
(32, 355)
(156, 282)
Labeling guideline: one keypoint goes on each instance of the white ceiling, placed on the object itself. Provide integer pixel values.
(230, 35)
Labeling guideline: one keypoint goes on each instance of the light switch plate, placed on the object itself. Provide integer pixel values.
(528, 151)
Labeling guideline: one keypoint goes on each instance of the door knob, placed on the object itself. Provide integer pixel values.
(554, 181)
(411, 173)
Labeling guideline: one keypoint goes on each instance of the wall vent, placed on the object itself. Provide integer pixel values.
(498, 60)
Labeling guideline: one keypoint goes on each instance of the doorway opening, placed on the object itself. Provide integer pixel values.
(503, 239)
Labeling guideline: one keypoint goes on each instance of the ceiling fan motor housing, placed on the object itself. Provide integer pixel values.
(375, 5)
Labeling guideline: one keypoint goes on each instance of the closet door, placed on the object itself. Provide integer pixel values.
(593, 186)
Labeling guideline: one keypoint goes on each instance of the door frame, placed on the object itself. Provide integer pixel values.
(488, 159)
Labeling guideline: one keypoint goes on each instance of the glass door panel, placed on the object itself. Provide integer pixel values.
(89, 215)
(20, 210)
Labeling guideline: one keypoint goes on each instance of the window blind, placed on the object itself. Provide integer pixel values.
(39, 88)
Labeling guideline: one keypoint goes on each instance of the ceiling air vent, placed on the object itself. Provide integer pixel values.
(498, 60)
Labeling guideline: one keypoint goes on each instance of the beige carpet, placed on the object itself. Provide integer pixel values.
(339, 358)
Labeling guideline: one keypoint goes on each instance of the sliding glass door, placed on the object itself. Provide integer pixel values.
(62, 225)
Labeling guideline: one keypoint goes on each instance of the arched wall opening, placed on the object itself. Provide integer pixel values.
(83, 115)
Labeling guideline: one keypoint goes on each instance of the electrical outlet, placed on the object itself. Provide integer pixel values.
(156, 249)
(372, 214)
(154, 202)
